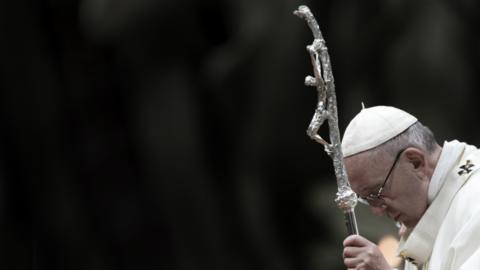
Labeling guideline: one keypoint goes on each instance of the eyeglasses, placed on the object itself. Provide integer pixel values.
(376, 199)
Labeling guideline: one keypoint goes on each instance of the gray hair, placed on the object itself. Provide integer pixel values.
(417, 135)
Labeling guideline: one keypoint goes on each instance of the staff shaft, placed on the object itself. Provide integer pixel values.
(326, 110)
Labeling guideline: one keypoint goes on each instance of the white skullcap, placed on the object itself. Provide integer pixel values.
(373, 126)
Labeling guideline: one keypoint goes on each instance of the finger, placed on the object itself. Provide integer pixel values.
(351, 252)
(360, 266)
(351, 262)
(355, 241)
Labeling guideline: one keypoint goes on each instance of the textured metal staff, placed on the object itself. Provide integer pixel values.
(327, 110)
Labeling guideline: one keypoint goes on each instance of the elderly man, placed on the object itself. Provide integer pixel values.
(396, 167)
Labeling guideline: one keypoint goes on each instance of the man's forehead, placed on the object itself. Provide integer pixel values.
(357, 163)
(362, 171)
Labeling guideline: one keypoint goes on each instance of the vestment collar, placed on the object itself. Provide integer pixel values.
(450, 154)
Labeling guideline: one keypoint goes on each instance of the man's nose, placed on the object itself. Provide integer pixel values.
(378, 210)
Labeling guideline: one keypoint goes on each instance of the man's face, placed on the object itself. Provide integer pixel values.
(404, 196)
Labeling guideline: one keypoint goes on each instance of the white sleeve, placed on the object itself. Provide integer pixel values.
(473, 262)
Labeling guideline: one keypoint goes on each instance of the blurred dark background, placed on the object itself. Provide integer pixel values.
(171, 134)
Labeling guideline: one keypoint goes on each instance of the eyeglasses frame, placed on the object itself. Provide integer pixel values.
(375, 199)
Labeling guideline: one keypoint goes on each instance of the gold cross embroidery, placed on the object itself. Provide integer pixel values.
(466, 168)
(404, 255)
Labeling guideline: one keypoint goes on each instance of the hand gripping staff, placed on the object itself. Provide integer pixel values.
(327, 110)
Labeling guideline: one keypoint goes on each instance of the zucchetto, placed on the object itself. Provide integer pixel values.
(372, 127)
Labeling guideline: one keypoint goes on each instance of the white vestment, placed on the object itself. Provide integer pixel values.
(447, 236)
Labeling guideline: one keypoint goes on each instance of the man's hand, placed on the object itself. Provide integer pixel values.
(361, 254)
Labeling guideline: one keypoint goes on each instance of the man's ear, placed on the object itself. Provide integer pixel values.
(416, 157)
